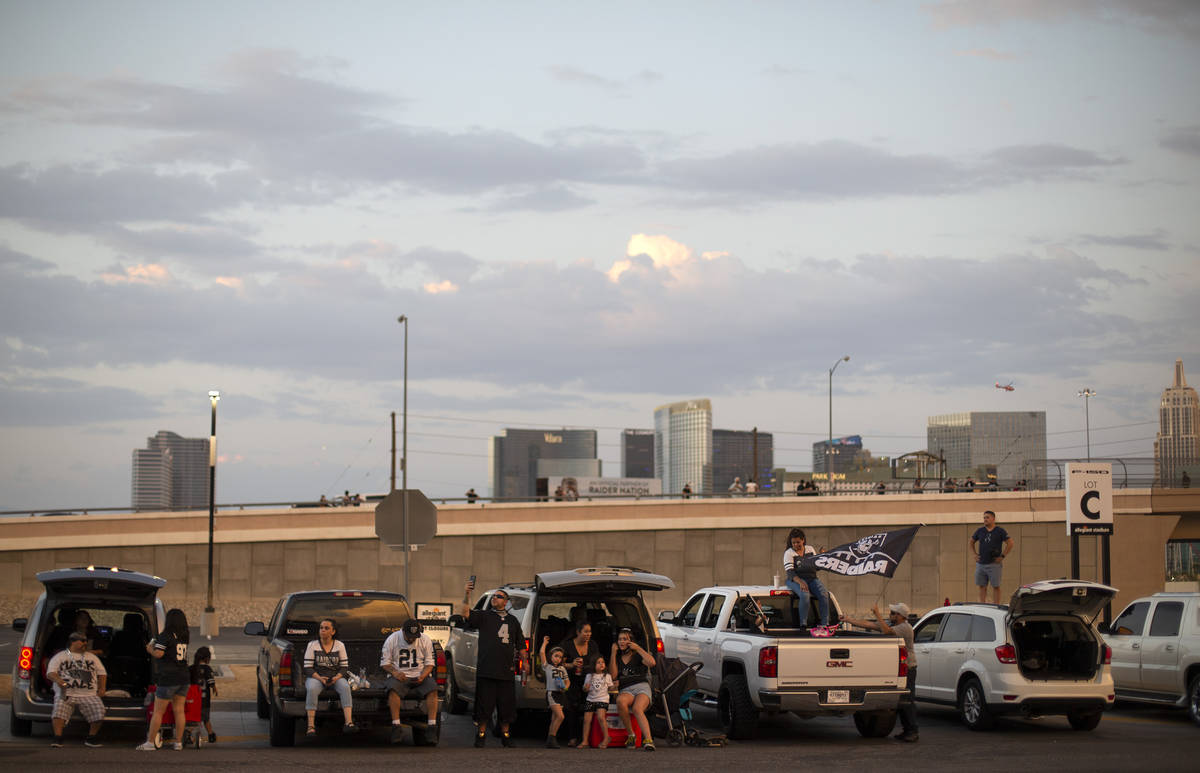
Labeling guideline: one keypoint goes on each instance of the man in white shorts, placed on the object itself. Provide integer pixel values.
(79, 679)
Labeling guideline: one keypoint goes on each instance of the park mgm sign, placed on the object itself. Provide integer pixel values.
(1089, 499)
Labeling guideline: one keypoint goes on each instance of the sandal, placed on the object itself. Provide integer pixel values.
(310, 732)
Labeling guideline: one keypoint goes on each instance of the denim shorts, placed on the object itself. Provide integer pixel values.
(166, 692)
(641, 688)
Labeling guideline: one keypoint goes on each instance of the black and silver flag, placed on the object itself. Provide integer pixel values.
(877, 554)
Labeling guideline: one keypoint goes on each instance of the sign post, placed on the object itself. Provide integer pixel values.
(1090, 511)
(401, 533)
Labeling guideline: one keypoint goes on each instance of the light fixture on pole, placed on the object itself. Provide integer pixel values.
(1087, 393)
(209, 620)
(403, 320)
(829, 448)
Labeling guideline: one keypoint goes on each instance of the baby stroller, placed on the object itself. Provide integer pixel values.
(193, 734)
(676, 688)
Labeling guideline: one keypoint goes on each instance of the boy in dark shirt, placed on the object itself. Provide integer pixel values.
(202, 675)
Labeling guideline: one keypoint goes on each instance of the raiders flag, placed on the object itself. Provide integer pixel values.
(877, 554)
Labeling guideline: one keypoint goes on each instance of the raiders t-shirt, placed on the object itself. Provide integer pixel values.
(499, 639)
(172, 667)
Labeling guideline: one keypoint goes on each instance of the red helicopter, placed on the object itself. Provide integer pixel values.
(1006, 387)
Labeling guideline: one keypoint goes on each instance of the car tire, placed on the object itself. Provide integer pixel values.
(972, 706)
(738, 715)
(1193, 699)
(1084, 720)
(21, 728)
(454, 700)
(283, 728)
(262, 707)
(874, 724)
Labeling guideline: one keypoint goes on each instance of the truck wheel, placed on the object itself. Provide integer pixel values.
(874, 724)
(972, 706)
(261, 707)
(283, 728)
(1081, 720)
(454, 701)
(1193, 702)
(22, 728)
(736, 710)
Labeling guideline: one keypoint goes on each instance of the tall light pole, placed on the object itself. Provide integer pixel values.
(829, 448)
(403, 320)
(1087, 393)
(210, 617)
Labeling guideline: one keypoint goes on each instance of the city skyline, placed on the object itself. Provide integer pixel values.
(199, 196)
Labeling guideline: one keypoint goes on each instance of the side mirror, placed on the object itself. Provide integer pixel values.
(457, 621)
(19, 623)
(667, 616)
(255, 628)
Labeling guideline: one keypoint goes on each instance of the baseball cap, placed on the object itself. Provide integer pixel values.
(77, 636)
(900, 608)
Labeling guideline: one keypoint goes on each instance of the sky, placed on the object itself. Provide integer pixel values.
(585, 211)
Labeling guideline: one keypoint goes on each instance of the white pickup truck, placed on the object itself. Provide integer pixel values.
(747, 670)
(1156, 651)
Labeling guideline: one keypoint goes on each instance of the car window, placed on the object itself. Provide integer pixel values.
(483, 603)
(779, 609)
(1167, 616)
(687, 615)
(982, 628)
(357, 617)
(275, 616)
(956, 628)
(927, 631)
(712, 611)
(1131, 622)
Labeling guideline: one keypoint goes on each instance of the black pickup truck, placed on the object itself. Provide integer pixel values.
(365, 618)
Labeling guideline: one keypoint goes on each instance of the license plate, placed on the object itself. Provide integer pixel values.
(837, 696)
(366, 705)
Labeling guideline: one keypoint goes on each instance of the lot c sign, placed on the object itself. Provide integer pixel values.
(1089, 499)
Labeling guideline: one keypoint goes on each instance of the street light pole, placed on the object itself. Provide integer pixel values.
(829, 448)
(210, 618)
(403, 319)
(1087, 393)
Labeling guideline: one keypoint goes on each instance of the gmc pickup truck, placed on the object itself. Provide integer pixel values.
(1156, 651)
(770, 663)
(365, 618)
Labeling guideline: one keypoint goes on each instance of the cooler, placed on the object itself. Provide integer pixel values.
(616, 731)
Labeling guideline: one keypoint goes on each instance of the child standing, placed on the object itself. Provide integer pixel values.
(556, 685)
(598, 685)
(202, 675)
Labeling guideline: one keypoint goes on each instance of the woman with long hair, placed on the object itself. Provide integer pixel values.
(172, 676)
(326, 664)
(580, 654)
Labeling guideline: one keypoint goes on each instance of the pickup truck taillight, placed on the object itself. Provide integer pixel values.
(440, 667)
(1107, 655)
(25, 663)
(1006, 653)
(768, 662)
(285, 670)
(902, 669)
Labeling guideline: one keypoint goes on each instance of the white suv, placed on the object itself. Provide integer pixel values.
(1039, 655)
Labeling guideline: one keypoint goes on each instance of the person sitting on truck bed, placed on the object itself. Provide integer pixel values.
(897, 625)
(326, 664)
(802, 578)
(408, 659)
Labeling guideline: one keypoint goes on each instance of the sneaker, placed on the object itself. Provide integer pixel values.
(56, 742)
(630, 742)
(552, 743)
(148, 746)
(212, 737)
(506, 739)
(821, 631)
(92, 741)
(349, 728)
(177, 746)
(431, 735)
(397, 733)
(648, 746)
(480, 736)
(907, 737)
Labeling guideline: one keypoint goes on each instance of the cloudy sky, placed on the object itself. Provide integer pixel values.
(586, 211)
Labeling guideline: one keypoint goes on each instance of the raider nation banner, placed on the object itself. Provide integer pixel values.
(877, 554)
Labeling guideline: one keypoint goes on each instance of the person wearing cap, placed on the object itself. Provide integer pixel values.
(79, 678)
(500, 639)
(408, 659)
(897, 625)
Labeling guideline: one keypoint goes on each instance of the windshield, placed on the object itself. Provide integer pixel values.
(355, 617)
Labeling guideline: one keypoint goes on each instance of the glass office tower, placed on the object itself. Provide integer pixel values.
(683, 446)
(1014, 442)
(513, 457)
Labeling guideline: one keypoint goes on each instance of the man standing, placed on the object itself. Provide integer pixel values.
(79, 679)
(500, 639)
(408, 659)
(991, 545)
(897, 625)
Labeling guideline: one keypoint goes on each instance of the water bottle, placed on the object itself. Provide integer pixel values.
(362, 677)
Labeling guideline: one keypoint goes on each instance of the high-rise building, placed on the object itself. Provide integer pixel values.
(1014, 442)
(513, 457)
(841, 455)
(733, 453)
(1178, 443)
(170, 473)
(637, 453)
(683, 446)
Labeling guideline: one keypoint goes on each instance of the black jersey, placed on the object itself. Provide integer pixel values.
(500, 639)
(633, 672)
(172, 667)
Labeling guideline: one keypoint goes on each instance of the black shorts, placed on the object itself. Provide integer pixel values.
(498, 694)
(596, 706)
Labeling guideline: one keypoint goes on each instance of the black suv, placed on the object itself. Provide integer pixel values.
(365, 618)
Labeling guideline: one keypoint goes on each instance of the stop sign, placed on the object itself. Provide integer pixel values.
(389, 518)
